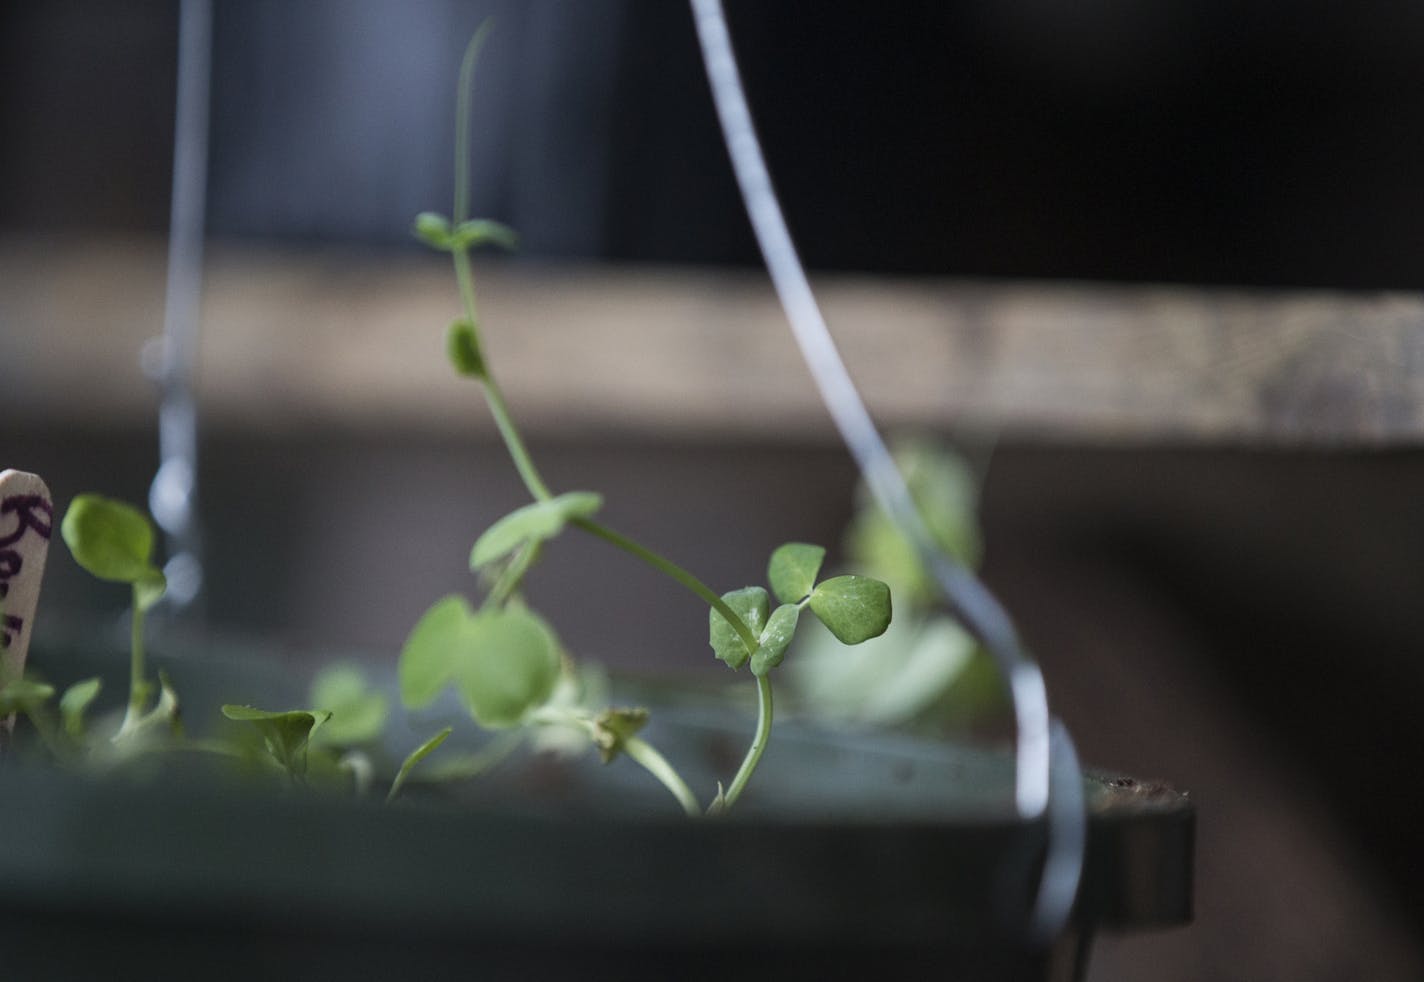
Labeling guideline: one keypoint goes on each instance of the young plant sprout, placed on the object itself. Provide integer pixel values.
(503, 659)
(926, 669)
(114, 542)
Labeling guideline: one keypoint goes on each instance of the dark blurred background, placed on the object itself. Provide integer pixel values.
(1241, 619)
(1198, 141)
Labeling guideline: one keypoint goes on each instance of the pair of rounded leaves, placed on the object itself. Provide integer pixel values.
(503, 661)
(435, 231)
(854, 608)
(114, 541)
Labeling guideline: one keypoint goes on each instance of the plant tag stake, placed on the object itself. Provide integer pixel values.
(26, 521)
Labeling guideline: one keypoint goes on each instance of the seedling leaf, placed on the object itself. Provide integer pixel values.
(508, 664)
(752, 605)
(413, 758)
(358, 712)
(613, 727)
(945, 491)
(427, 662)
(780, 629)
(432, 229)
(855, 608)
(24, 696)
(538, 521)
(478, 231)
(792, 570)
(285, 734)
(75, 702)
(110, 539)
(503, 660)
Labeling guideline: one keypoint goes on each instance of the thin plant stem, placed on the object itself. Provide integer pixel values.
(508, 432)
(657, 765)
(493, 753)
(524, 463)
(759, 741)
(462, 122)
(676, 572)
(138, 690)
(504, 421)
(641, 751)
(513, 576)
(463, 275)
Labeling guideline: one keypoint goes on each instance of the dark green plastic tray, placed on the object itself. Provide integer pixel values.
(854, 853)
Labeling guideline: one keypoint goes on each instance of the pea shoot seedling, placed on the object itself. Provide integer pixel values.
(114, 541)
(503, 660)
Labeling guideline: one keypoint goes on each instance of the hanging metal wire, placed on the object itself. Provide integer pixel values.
(1047, 781)
(170, 360)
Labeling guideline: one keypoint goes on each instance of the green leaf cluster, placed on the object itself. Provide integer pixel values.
(854, 608)
(502, 661)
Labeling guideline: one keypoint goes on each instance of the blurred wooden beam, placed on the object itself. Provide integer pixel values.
(339, 338)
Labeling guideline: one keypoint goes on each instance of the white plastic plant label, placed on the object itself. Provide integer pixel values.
(26, 521)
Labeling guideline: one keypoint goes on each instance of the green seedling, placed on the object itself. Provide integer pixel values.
(28, 697)
(114, 541)
(504, 661)
(75, 703)
(926, 670)
(286, 735)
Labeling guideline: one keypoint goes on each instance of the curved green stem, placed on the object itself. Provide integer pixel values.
(524, 463)
(508, 432)
(464, 767)
(759, 741)
(676, 572)
(138, 688)
(641, 751)
(462, 122)
(465, 277)
(513, 576)
(656, 764)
